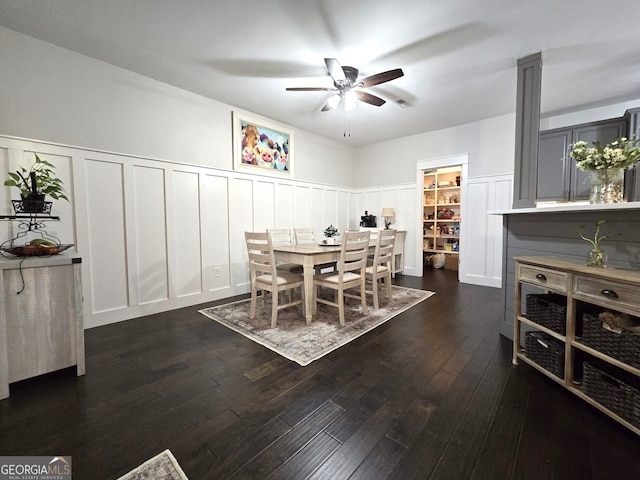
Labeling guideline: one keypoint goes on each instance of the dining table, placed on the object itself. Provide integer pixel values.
(307, 255)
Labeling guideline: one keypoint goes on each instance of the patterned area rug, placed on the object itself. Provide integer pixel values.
(294, 339)
(161, 467)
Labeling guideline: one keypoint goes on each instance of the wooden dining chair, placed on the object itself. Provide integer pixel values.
(279, 237)
(266, 277)
(380, 266)
(350, 274)
(306, 236)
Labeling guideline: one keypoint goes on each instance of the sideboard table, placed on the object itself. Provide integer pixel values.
(42, 327)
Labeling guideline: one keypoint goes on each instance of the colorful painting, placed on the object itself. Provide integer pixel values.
(262, 147)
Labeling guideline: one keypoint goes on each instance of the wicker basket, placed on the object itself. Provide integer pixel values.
(546, 351)
(548, 310)
(615, 389)
(621, 344)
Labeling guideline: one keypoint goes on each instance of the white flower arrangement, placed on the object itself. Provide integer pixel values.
(620, 153)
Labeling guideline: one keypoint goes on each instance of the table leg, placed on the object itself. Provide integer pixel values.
(308, 291)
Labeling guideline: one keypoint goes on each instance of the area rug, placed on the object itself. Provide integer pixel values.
(163, 466)
(294, 339)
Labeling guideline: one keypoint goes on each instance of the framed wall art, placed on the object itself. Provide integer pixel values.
(261, 146)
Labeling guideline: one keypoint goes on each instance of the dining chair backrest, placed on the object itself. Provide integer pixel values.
(380, 266)
(304, 235)
(383, 253)
(261, 257)
(353, 256)
(280, 236)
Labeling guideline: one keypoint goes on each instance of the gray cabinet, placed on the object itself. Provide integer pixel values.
(558, 178)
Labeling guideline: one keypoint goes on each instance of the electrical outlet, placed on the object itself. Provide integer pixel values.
(216, 271)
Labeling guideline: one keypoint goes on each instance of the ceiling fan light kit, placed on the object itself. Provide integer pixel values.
(347, 88)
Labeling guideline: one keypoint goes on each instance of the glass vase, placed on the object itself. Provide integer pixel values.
(607, 185)
(597, 258)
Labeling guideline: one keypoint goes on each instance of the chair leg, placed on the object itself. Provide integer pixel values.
(252, 310)
(363, 296)
(387, 282)
(374, 289)
(340, 302)
(274, 310)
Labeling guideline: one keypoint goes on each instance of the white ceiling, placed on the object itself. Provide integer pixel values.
(458, 56)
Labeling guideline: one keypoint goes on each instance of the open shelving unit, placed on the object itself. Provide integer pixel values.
(441, 209)
(586, 289)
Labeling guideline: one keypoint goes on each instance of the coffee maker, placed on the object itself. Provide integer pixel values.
(368, 221)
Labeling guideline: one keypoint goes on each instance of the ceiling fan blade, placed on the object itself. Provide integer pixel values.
(335, 70)
(379, 78)
(371, 99)
(309, 89)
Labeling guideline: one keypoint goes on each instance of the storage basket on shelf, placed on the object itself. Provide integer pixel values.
(546, 351)
(618, 339)
(548, 310)
(615, 389)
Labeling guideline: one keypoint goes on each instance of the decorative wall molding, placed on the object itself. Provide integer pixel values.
(157, 235)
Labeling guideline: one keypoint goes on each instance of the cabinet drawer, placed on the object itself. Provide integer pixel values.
(543, 277)
(609, 293)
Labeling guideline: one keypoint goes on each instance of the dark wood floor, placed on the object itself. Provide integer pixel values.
(430, 394)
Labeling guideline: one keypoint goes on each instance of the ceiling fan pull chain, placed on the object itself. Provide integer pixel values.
(347, 125)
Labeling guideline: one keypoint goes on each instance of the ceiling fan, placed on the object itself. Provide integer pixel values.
(347, 86)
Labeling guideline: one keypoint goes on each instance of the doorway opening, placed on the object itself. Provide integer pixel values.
(441, 191)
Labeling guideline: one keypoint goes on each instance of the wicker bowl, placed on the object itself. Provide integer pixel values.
(35, 250)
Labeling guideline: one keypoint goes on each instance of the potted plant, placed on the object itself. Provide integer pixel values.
(34, 184)
(331, 235)
(596, 257)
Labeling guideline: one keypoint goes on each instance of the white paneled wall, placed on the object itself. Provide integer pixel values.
(482, 249)
(214, 233)
(402, 198)
(105, 237)
(149, 212)
(157, 235)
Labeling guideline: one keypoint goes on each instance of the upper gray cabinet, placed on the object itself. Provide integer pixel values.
(558, 178)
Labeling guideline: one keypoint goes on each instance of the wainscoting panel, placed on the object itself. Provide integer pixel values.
(302, 201)
(283, 206)
(343, 213)
(149, 212)
(481, 247)
(105, 271)
(215, 232)
(241, 219)
(156, 235)
(330, 214)
(184, 242)
(263, 205)
(402, 198)
(404, 208)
